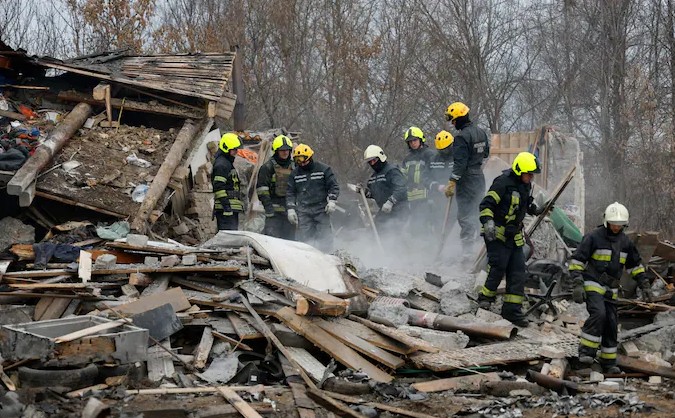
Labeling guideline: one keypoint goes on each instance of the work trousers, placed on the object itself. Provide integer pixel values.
(506, 259)
(600, 329)
(279, 227)
(227, 222)
(470, 190)
(315, 229)
(420, 224)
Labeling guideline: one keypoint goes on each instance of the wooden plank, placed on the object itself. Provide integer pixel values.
(308, 362)
(384, 407)
(329, 304)
(41, 307)
(231, 270)
(360, 345)
(238, 403)
(66, 286)
(174, 296)
(244, 329)
(89, 331)
(664, 250)
(461, 383)
(416, 343)
(304, 405)
(330, 344)
(331, 403)
(204, 348)
(55, 309)
(84, 266)
(234, 343)
(371, 336)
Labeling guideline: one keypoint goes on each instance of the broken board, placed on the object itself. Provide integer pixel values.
(330, 344)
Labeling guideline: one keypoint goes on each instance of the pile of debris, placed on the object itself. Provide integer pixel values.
(117, 323)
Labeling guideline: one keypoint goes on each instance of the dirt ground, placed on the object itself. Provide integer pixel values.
(105, 180)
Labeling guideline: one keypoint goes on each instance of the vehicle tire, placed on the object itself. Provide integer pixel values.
(69, 378)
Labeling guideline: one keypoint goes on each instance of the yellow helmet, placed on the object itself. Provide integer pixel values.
(302, 152)
(525, 162)
(414, 133)
(282, 143)
(443, 140)
(456, 110)
(229, 141)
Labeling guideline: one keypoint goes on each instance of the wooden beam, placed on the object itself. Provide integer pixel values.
(58, 137)
(89, 331)
(417, 343)
(204, 348)
(328, 304)
(163, 175)
(330, 344)
(72, 202)
(238, 403)
(132, 105)
(12, 115)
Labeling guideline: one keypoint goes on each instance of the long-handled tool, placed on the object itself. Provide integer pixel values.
(370, 219)
(446, 228)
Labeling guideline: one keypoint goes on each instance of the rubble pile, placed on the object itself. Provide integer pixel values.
(109, 324)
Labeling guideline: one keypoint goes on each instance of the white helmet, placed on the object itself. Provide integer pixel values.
(373, 151)
(616, 214)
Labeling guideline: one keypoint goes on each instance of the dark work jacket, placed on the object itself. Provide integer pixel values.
(388, 184)
(603, 252)
(470, 147)
(416, 168)
(507, 203)
(310, 187)
(273, 183)
(225, 182)
(441, 168)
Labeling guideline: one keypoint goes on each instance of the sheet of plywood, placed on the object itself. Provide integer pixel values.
(243, 328)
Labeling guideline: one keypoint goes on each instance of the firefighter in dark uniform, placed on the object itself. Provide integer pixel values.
(271, 188)
(416, 167)
(226, 193)
(441, 168)
(471, 147)
(311, 198)
(387, 186)
(596, 268)
(502, 212)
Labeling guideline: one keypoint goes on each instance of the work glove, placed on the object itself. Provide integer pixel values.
(647, 294)
(293, 217)
(358, 187)
(489, 231)
(387, 207)
(450, 188)
(578, 293)
(330, 207)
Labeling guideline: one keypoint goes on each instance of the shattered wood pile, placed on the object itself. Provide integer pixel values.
(231, 319)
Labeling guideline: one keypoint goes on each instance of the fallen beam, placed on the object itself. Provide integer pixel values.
(470, 328)
(238, 403)
(327, 303)
(645, 367)
(163, 177)
(134, 106)
(45, 152)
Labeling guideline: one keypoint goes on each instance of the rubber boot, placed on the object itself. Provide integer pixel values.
(484, 302)
(513, 313)
(606, 369)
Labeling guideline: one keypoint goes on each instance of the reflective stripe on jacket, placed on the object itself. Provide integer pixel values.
(506, 203)
(226, 186)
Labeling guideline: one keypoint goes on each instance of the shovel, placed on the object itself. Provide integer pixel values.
(370, 215)
(446, 229)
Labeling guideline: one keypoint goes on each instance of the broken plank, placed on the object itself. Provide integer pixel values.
(174, 296)
(646, 367)
(331, 403)
(89, 331)
(234, 343)
(325, 300)
(84, 266)
(67, 286)
(360, 345)
(204, 348)
(371, 336)
(384, 407)
(40, 273)
(234, 271)
(308, 362)
(244, 329)
(456, 384)
(416, 343)
(330, 344)
(238, 403)
(41, 306)
(196, 285)
(55, 309)
(304, 405)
